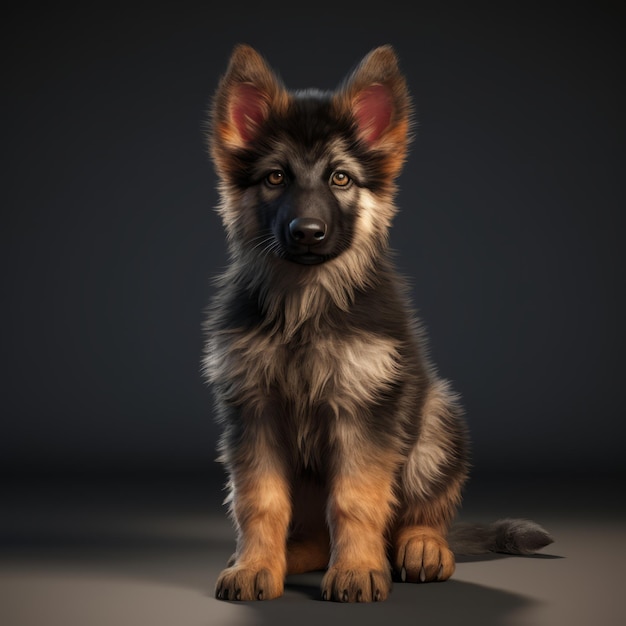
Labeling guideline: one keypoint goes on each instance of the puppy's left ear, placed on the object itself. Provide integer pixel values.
(376, 96)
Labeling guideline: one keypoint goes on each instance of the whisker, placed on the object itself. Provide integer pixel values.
(274, 245)
(266, 239)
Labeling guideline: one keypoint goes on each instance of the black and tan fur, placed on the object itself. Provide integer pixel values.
(344, 448)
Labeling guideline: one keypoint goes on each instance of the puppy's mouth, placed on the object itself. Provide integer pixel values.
(308, 258)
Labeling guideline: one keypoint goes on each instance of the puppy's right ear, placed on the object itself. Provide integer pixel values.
(246, 93)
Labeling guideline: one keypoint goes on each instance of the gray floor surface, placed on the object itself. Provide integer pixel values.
(132, 553)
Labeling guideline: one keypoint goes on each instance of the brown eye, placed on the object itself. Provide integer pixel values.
(341, 179)
(276, 177)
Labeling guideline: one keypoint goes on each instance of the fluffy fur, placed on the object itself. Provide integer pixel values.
(345, 450)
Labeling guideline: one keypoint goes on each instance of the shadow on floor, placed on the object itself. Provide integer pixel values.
(182, 540)
(453, 602)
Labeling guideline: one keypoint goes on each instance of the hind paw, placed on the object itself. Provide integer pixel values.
(423, 556)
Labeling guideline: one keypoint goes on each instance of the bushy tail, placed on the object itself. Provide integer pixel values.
(512, 536)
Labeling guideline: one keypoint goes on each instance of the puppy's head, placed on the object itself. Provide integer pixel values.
(306, 176)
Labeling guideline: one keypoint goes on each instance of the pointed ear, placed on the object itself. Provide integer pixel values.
(244, 97)
(375, 95)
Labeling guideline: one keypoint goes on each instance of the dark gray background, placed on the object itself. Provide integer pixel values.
(511, 225)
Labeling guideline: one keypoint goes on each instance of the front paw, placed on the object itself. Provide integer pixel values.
(356, 585)
(246, 583)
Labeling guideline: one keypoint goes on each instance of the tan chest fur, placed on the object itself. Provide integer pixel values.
(338, 371)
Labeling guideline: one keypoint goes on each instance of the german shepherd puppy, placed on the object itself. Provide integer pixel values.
(345, 450)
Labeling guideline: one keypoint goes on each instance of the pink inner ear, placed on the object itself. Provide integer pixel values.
(248, 110)
(373, 109)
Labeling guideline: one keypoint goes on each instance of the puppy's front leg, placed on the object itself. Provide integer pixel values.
(262, 509)
(359, 510)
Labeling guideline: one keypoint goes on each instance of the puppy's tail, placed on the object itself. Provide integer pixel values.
(511, 536)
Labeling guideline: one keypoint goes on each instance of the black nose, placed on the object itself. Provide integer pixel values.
(308, 231)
